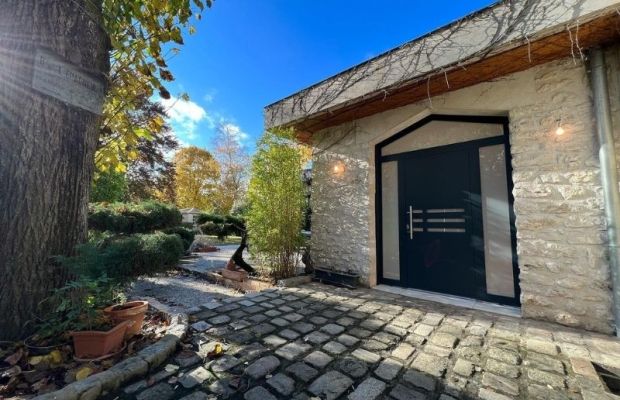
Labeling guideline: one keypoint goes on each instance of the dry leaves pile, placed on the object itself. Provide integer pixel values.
(26, 369)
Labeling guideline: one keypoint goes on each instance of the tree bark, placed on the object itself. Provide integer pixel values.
(46, 150)
(237, 257)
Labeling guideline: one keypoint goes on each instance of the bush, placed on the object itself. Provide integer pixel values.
(122, 258)
(204, 218)
(158, 252)
(132, 217)
(276, 195)
(187, 235)
(99, 271)
(221, 225)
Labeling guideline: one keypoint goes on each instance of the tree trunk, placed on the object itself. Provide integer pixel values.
(237, 257)
(46, 146)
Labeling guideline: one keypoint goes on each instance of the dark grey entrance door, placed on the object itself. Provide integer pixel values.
(441, 246)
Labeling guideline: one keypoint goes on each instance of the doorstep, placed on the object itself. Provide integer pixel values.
(452, 300)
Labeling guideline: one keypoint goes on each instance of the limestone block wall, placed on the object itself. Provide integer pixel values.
(564, 273)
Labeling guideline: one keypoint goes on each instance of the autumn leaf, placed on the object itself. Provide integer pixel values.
(164, 93)
(15, 357)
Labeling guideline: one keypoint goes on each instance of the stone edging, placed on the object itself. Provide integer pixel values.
(295, 281)
(131, 368)
(250, 285)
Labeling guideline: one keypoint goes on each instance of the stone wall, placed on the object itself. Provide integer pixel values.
(564, 274)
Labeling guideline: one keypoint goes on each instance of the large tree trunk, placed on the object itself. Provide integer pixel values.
(46, 148)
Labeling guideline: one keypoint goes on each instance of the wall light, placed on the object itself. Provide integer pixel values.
(338, 168)
(559, 130)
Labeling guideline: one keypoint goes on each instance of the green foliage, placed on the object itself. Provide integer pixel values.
(133, 217)
(187, 235)
(122, 258)
(100, 269)
(77, 306)
(158, 252)
(221, 225)
(143, 35)
(276, 197)
(109, 187)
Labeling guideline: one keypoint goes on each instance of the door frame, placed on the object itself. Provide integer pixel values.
(379, 159)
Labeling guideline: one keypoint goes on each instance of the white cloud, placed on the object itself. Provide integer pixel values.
(184, 116)
(235, 131)
(189, 121)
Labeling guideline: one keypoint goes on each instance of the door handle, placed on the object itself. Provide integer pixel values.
(411, 222)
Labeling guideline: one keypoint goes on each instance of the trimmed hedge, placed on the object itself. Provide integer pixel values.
(132, 217)
(221, 225)
(122, 258)
(158, 252)
(187, 235)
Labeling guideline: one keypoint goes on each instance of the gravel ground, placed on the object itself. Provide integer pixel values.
(180, 291)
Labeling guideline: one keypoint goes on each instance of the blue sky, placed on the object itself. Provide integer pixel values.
(247, 54)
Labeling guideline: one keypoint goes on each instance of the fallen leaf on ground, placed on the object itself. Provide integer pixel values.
(216, 352)
(11, 372)
(15, 357)
(83, 373)
(39, 384)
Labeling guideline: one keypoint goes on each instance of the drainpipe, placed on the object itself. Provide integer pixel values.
(609, 172)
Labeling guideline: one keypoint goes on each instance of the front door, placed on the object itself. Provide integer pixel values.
(441, 245)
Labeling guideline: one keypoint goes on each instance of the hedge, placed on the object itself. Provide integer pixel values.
(132, 217)
(187, 235)
(158, 252)
(221, 225)
(122, 257)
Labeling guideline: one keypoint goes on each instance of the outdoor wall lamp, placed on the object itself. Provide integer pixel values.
(559, 130)
(338, 168)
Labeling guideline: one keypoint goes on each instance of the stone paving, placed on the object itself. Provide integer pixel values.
(324, 342)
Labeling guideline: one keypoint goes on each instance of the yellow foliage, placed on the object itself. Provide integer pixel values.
(83, 373)
(54, 357)
(197, 175)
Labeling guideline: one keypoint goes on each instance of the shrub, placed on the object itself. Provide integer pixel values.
(276, 195)
(204, 218)
(158, 252)
(122, 258)
(133, 217)
(99, 270)
(187, 235)
(221, 225)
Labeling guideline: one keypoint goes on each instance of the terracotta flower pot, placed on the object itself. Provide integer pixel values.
(130, 311)
(235, 275)
(93, 344)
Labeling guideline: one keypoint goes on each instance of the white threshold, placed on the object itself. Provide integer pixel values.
(452, 300)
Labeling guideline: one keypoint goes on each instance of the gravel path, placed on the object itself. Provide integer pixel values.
(180, 291)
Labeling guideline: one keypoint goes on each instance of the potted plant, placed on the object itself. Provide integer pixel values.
(77, 312)
(99, 343)
(133, 311)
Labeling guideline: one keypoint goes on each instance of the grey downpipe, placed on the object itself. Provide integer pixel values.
(609, 172)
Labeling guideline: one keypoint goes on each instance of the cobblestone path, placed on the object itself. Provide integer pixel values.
(324, 342)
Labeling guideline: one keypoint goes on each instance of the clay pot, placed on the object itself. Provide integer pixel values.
(131, 311)
(94, 344)
(34, 350)
(240, 276)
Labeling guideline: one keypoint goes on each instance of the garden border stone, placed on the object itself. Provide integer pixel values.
(251, 284)
(294, 281)
(129, 369)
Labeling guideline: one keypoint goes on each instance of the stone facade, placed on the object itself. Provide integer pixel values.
(561, 236)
